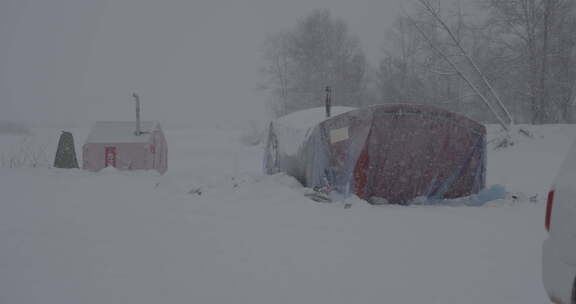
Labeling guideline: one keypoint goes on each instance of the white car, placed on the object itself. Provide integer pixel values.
(559, 249)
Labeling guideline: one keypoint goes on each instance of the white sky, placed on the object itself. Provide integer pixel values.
(190, 60)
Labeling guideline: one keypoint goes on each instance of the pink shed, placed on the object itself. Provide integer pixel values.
(116, 144)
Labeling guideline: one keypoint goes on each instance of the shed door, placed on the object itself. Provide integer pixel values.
(110, 157)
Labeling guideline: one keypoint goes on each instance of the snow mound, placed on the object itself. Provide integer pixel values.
(494, 193)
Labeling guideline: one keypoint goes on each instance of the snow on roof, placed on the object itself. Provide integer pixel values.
(293, 129)
(309, 118)
(120, 132)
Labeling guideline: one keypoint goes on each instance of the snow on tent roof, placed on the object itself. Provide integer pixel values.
(309, 118)
(120, 132)
(293, 128)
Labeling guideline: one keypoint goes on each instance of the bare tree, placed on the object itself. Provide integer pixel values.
(397, 77)
(318, 52)
(435, 14)
(459, 71)
(531, 30)
(278, 70)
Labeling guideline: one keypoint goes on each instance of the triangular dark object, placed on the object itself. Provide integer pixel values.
(66, 154)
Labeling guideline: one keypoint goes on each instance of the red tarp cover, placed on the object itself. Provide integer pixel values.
(391, 152)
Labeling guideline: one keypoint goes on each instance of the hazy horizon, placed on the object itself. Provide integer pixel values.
(77, 61)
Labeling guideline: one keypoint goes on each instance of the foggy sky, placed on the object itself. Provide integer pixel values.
(192, 61)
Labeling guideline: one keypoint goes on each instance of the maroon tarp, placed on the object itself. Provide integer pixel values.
(391, 152)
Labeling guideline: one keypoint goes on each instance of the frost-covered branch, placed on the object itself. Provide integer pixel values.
(460, 73)
(435, 14)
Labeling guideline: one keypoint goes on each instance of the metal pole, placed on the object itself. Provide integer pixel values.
(328, 101)
(138, 132)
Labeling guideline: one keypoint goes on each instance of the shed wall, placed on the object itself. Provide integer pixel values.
(129, 156)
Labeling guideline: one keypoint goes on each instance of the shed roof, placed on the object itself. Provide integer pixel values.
(120, 132)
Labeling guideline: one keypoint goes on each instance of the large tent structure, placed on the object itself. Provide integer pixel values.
(383, 153)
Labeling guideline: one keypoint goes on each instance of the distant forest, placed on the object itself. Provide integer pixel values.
(493, 60)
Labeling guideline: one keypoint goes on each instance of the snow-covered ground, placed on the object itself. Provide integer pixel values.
(215, 230)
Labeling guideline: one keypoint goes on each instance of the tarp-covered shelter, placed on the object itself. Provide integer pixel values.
(384, 153)
(122, 145)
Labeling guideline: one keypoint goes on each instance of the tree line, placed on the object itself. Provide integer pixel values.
(511, 61)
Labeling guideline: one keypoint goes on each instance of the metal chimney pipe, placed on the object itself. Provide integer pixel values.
(138, 131)
(328, 103)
